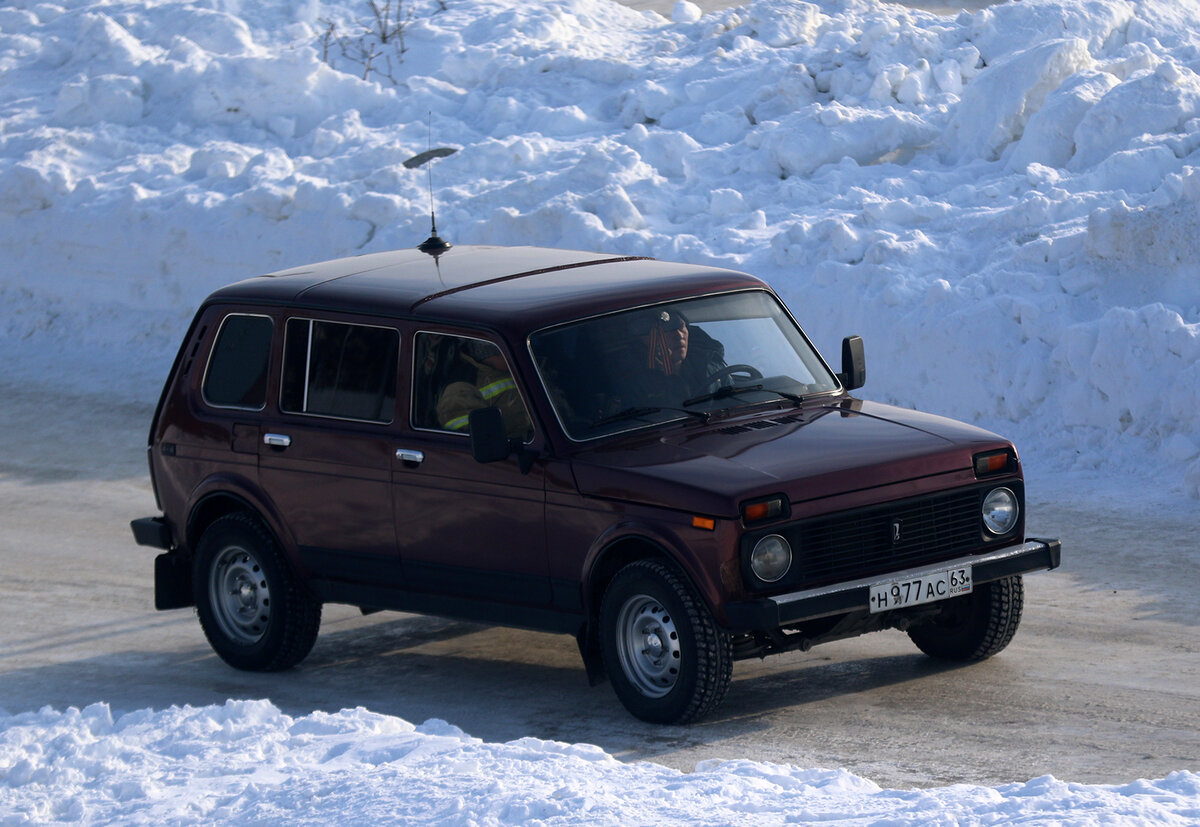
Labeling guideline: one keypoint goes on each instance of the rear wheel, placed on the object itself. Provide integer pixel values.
(668, 660)
(974, 626)
(254, 613)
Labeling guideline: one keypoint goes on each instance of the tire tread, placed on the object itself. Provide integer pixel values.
(992, 620)
(300, 613)
(713, 649)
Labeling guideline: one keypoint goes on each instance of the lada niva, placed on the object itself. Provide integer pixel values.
(651, 457)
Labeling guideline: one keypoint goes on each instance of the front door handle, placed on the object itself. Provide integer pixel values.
(277, 440)
(410, 455)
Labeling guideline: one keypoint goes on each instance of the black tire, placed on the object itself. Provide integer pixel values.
(668, 660)
(975, 626)
(254, 613)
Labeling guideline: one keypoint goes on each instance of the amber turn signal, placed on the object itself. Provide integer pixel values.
(759, 510)
(995, 462)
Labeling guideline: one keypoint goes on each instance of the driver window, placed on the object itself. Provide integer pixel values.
(455, 375)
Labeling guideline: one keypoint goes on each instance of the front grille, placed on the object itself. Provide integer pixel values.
(862, 543)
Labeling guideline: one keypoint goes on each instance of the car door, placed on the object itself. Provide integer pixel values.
(465, 528)
(325, 454)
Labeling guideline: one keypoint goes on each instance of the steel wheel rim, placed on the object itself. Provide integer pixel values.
(240, 595)
(648, 645)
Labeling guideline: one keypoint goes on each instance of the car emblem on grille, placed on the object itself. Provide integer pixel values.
(895, 531)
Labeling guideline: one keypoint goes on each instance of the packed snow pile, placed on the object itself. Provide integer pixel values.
(248, 763)
(1004, 204)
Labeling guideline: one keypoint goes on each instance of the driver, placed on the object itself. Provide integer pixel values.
(669, 360)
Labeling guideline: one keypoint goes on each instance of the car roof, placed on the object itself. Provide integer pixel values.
(519, 288)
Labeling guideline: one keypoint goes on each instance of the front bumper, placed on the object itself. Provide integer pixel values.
(783, 610)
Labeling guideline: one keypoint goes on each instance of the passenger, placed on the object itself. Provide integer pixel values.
(493, 386)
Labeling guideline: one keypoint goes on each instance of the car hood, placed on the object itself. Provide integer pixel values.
(818, 451)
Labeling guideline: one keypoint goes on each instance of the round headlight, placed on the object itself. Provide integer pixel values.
(1000, 511)
(771, 558)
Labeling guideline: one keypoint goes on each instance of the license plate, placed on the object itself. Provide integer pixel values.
(937, 585)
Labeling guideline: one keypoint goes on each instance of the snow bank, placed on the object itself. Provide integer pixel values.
(248, 763)
(1005, 203)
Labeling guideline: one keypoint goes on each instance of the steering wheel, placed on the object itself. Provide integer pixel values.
(749, 371)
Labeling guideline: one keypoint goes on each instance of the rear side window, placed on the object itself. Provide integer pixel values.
(347, 371)
(237, 369)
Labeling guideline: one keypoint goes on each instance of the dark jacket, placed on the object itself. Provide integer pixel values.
(637, 384)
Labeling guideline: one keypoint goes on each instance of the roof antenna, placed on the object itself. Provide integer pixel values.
(434, 245)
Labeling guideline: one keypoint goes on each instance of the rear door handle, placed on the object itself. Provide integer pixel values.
(277, 440)
(410, 455)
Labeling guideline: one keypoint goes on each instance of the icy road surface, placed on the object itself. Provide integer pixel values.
(1101, 684)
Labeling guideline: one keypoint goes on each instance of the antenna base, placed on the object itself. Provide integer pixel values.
(434, 245)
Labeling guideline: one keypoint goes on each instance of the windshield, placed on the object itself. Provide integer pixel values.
(690, 358)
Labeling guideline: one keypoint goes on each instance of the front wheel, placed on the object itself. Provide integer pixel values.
(254, 613)
(668, 660)
(974, 626)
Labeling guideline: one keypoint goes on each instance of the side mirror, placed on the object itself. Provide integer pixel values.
(854, 363)
(489, 442)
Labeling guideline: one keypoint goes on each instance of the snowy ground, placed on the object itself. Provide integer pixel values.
(1003, 203)
(248, 763)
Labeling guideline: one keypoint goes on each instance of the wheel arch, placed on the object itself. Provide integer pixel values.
(610, 555)
(614, 556)
(216, 504)
(633, 540)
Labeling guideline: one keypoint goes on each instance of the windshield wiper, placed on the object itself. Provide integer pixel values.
(640, 412)
(734, 390)
(722, 393)
(788, 395)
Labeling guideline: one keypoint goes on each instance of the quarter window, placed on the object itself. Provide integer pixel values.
(237, 369)
(346, 371)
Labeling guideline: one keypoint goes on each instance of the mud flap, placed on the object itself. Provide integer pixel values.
(172, 582)
(593, 657)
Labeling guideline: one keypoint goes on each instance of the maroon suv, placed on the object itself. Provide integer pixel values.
(649, 456)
